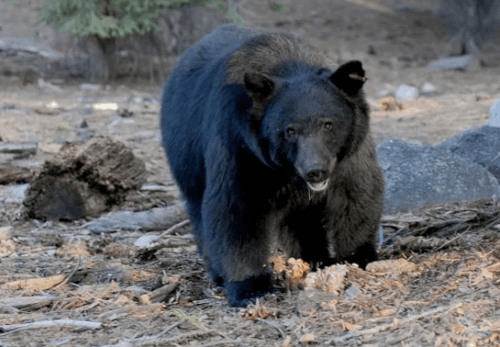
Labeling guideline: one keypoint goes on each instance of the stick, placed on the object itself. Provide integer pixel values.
(173, 228)
(340, 340)
(271, 324)
(51, 323)
(158, 294)
(70, 275)
(19, 148)
(36, 284)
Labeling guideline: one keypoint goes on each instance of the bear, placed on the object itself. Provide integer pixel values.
(269, 143)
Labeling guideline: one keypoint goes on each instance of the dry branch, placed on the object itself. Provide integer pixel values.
(155, 219)
(272, 325)
(51, 323)
(171, 242)
(159, 294)
(172, 229)
(66, 280)
(35, 284)
(28, 303)
(12, 174)
(18, 148)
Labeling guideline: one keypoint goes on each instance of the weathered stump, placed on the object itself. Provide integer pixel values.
(84, 180)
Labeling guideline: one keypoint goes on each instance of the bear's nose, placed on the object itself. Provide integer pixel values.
(316, 175)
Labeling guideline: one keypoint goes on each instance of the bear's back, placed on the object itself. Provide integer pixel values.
(271, 52)
(249, 50)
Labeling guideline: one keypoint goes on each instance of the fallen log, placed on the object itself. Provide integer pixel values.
(18, 147)
(159, 218)
(84, 180)
(12, 174)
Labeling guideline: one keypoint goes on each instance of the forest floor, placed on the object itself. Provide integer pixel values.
(442, 290)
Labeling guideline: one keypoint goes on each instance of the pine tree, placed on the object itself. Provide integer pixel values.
(105, 21)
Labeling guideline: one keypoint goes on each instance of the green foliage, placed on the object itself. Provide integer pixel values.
(115, 18)
(279, 8)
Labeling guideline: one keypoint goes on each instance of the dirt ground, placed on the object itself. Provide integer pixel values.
(441, 293)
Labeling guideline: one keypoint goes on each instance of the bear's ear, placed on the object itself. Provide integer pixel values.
(259, 86)
(349, 77)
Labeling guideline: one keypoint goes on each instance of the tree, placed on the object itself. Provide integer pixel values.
(106, 21)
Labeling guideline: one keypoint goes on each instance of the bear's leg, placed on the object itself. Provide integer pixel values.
(236, 242)
(363, 255)
(194, 210)
(354, 237)
(310, 234)
(242, 293)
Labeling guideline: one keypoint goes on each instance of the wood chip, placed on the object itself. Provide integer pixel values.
(390, 104)
(35, 284)
(159, 294)
(45, 111)
(307, 339)
(397, 266)
(6, 233)
(329, 280)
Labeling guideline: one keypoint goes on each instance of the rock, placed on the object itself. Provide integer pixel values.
(8, 107)
(480, 145)
(146, 240)
(90, 86)
(400, 7)
(15, 45)
(381, 236)
(352, 291)
(495, 114)
(83, 124)
(85, 111)
(385, 92)
(428, 89)
(17, 193)
(84, 135)
(108, 106)
(406, 91)
(417, 176)
(48, 86)
(468, 62)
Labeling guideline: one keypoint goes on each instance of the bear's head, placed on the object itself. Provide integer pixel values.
(310, 119)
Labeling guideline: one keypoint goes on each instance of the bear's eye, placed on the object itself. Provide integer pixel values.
(291, 132)
(328, 126)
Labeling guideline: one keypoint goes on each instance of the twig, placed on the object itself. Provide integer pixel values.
(173, 228)
(51, 323)
(145, 339)
(453, 239)
(70, 275)
(177, 339)
(340, 340)
(159, 294)
(271, 324)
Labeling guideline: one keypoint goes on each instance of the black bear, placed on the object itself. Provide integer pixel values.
(270, 143)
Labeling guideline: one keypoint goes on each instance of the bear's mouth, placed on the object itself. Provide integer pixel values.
(319, 186)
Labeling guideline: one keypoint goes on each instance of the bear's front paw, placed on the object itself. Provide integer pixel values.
(243, 293)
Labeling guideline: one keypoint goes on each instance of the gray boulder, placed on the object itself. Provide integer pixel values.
(480, 145)
(417, 176)
(468, 62)
(495, 113)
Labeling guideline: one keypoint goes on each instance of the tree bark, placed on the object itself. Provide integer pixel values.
(84, 181)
